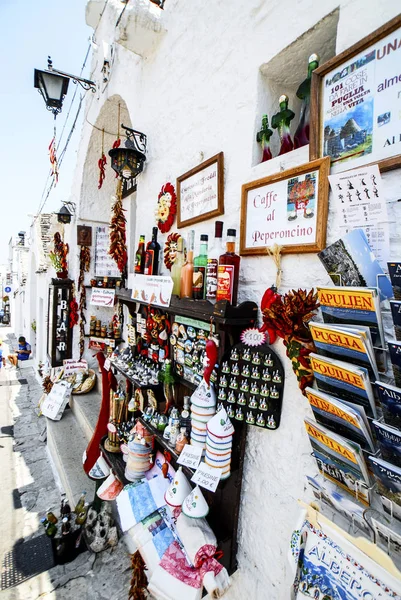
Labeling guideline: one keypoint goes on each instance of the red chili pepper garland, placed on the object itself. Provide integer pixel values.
(118, 239)
(73, 308)
(84, 265)
(61, 251)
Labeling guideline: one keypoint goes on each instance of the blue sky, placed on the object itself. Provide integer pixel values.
(29, 32)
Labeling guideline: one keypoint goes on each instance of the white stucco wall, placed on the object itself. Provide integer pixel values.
(202, 89)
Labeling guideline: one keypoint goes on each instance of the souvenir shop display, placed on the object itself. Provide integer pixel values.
(250, 382)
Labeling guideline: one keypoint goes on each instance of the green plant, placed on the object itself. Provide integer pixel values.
(56, 262)
(33, 325)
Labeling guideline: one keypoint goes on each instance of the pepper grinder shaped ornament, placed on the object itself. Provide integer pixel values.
(281, 121)
(263, 138)
(301, 137)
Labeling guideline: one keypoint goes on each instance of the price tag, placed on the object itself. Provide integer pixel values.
(190, 456)
(207, 477)
(107, 364)
(253, 337)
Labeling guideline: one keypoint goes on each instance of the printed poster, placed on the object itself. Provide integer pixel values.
(361, 120)
(358, 197)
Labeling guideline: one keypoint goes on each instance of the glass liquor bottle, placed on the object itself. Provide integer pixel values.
(200, 265)
(140, 256)
(80, 504)
(213, 262)
(281, 121)
(152, 255)
(188, 268)
(263, 138)
(301, 137)
(177, 267)
(228, 271)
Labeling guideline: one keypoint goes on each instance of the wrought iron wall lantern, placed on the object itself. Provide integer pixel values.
(65, 213)
(53, 86)
(127, 161)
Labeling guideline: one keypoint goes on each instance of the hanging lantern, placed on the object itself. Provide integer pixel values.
(127, 161)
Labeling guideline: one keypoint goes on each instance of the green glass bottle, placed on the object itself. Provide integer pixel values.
(200, 266)
(281, 121)
(263, 138)
(80, 504)
(301, 137)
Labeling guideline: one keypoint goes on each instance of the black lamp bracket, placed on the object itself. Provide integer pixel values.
(135, 139)
(86, 84)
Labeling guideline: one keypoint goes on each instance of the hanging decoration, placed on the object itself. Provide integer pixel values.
(117, 142)
(118, 240)
(102, 162)
(288, 316)
(73, 308)
(53, 158)
(170, 249)
(84, 265)
(166, 207)
(139, 580)
(59, 256)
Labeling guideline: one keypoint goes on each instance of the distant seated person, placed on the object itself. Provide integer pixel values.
(2, 359)
(24, 350)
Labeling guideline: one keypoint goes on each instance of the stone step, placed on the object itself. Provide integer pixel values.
(86, 409)
(67, 442)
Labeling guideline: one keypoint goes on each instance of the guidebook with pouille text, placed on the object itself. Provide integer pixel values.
(345, 343)
(351, 423)
(345, 381)
(389, 439)
(353, 306)
(390, 402)
(339, 460)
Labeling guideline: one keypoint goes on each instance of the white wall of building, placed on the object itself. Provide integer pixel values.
(207, 73)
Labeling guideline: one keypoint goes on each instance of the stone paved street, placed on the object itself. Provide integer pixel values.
(28, 489)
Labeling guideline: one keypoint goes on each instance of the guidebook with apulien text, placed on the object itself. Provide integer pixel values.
(340, 418)
(339, 460)
(353, 306)
(344, 381)
(390, 402)
(344, 343)
(389, 439)
(388, 479)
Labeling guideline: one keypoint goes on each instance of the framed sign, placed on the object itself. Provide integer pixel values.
(288, 209)
(200, 192)
(84, 235)
(355, 103)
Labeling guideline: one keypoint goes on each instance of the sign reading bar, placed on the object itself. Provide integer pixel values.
(190, 456)
(288, 209)
(153, 289)
(207, 477)
(102, 296)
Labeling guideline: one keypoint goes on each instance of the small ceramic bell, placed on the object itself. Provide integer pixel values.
(178, 490)
(195, 505)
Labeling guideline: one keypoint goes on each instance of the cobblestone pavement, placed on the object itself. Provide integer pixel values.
(28, 489)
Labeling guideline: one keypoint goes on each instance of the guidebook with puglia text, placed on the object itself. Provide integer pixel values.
(339, 460)
(344, 343)
(389, 439)
(345, 381)
(390, 402)
(353, 306)
(388, 479)
(340, 418)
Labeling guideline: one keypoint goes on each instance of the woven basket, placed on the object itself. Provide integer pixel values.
(92, 374)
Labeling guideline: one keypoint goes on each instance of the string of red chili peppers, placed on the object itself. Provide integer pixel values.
(84, 265)
(102, 162)
(118, 239)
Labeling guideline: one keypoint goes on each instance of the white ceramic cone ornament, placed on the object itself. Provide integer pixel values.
(195, 505)
(178, 490)
(220, 425)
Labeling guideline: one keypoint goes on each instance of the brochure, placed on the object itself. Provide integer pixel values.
(340, 418)
(395, 306)
(394, 269)
(395, 357)
(336, 341)
(353, 306)
(339, 460)
(345, 381)
(388, 479)
(350, 262)
(389, 439)
(390, 402)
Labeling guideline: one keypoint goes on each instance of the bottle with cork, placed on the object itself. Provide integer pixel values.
(228, 271)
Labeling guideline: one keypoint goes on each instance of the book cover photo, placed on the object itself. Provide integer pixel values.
(390, 402)
(389, 440)
(339, 460)
(340, 418)
(344, 381)
(395, 306)
(388, 479)
(395, 357)
(350, 262)
(394, 269)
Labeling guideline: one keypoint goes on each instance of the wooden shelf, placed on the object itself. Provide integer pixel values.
(222, 312)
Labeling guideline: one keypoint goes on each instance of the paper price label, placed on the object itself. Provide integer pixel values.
(190, 456)
(107, 364)
(207, 477)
